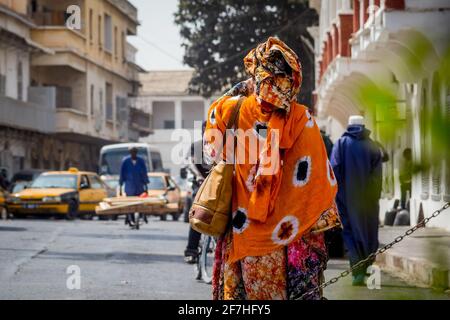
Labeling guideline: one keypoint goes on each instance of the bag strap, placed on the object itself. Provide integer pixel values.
(233, 122)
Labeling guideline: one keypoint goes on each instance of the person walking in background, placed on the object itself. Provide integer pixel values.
(356, 161)
(327, 141)
(405, 176)
(200, 170)
(134, 174)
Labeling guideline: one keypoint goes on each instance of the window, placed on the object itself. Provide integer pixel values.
(109, 101)
(156, 183)
(100, 32)
(121, 109)
(96, 183)
(91, 25)
(2, 84)
(84, 182)
(45, 181)
(92, 99)
(19, 81)
(116, 44)
(100, 102)
(169, 124)
(124, 53)
(156, 161)
(108, 32)
(172, 183)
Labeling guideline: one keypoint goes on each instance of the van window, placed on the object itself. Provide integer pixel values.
(156, 161)
(111, 160)
(96, 183)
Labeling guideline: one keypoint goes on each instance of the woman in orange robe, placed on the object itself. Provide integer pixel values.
(283, 187)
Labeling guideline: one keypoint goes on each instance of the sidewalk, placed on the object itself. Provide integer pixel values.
(422, 259)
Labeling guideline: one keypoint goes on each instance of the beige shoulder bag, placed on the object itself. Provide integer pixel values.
(211, 209)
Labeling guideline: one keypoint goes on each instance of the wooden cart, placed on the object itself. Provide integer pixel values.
(130, 205)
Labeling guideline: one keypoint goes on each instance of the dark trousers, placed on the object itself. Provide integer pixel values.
(193, 242)
(194, 236)
(404, 187)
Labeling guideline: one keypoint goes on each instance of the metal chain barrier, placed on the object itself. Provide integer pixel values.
(373, 255)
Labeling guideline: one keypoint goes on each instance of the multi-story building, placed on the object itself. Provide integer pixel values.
(164, 94)
(383, 42)
(84, 74)
(26, 112)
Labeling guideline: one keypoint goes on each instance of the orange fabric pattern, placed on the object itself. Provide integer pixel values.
(273, 208)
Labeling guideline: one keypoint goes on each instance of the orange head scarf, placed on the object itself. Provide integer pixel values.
(277, 72)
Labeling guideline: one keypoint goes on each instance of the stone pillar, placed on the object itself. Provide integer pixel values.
(355, 16)
(345, 32)
(395, 4)
(365, 10)
(178, 115)
(207, 104)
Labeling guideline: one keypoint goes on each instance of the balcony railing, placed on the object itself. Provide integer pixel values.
(64, 98)
(59, 37)
(37, 114)
(52, 18)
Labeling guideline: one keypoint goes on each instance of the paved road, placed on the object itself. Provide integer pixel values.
(118, 263)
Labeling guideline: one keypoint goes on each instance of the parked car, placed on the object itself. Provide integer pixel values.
(67, 194)
(23, 179)
(3, 211)
(162, 183)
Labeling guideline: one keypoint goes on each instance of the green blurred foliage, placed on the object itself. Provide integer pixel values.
(382, 100)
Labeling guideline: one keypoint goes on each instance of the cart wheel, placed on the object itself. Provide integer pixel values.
(136, 219)
(4, 213)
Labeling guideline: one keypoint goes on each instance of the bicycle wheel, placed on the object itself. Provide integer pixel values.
(137, 217)
(207, 259)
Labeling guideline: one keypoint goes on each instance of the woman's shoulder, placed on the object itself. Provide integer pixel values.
(298, 108)
(224, 107)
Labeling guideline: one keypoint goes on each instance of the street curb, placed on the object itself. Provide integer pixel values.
(416, 271)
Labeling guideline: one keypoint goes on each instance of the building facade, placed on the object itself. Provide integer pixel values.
(174, 113)
(363, 42)
(78, 78)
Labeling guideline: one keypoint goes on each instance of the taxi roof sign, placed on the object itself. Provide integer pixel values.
(73, 169)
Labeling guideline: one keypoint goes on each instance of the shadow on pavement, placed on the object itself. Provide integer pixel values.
(114, 257)
(12, 229)
(132, 236)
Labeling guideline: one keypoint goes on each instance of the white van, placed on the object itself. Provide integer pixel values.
(111, 157)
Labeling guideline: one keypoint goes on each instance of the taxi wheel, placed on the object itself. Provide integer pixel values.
(72, 212)
(176, 216)
(163, 217)
(4, 214)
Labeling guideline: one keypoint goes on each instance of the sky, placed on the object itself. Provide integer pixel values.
(158, 39)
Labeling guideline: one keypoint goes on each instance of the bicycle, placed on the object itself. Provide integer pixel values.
(136, 222)
(205, 262)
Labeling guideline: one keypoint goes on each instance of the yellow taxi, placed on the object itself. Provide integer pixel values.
(161, 183)
(3, 212)
(64, 193)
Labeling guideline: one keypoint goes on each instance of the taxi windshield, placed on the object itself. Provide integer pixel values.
(66, 181)
(156, 183)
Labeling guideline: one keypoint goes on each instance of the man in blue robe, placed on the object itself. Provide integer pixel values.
(356, 160)
(133, 173)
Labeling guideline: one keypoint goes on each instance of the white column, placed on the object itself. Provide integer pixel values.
(206, 103)
(178, 114)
